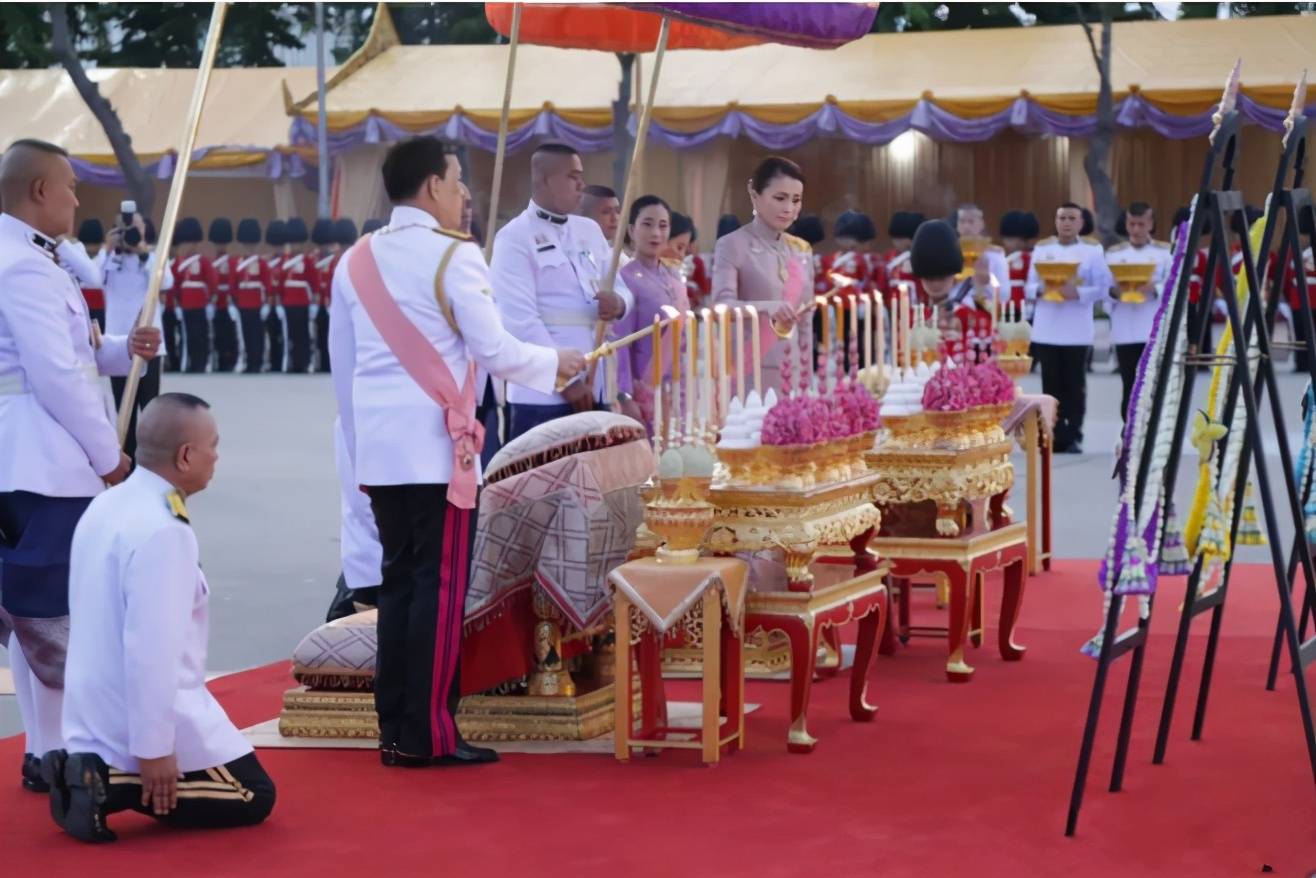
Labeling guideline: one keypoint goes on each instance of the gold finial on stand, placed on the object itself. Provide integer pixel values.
(1298, 109)
(1228, 99)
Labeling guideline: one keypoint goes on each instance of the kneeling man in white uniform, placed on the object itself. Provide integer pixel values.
(143, 732)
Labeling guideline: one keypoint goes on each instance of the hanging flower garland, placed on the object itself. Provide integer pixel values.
(1129, 566)
(1303, 471)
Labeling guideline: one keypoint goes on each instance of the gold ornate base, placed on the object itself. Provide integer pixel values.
(308, 714)
(767, 657)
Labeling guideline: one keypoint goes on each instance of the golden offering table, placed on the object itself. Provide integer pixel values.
(752, 519)
(962, 483)
(705, 602)
(839, 595)
(964, 563)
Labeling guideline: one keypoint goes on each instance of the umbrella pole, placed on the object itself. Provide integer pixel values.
(632, 183)
(172, 206)
(501, 152)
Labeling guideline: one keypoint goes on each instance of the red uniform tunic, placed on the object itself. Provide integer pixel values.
(299, 282)
(898, 271)
(252, 281)
(274, 262)
(196, 280)
(1019, 262)
(849, 264)
(224, 265)
(324, 269)
(698, 279)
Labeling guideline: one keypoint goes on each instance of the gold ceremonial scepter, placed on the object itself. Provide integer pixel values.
(172, 206)
(608, 348)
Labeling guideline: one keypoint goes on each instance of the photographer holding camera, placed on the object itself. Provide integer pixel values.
(126, 263)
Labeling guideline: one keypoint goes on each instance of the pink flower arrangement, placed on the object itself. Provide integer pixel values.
(956, 390)
(807, 420)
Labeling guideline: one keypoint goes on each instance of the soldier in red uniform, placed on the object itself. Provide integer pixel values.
(272, 314)
(251, 291)
(1019, 229)
(298, 286)
(962, 307)
(92, 235)
(854, 236)
(896, 266)
(196, 282)
(342, 234)
(223, 313)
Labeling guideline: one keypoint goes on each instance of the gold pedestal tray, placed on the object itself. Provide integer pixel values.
(950, 478)
(1054, 275)
(797, 522)
(1131, 278)
(796, 467)
(321, 714)
(1015, 365)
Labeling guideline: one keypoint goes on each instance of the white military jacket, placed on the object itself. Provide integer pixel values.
(135, 679)
(1130, 322)
(395, 433)
(545, 277)
(57, 432)
(126, 277)
(1070, 322)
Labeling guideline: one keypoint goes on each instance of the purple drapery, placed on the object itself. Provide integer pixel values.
(813, 25)
(276, 166)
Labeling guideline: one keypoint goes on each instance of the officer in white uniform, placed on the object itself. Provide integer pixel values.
(58, 445)
(142, 731)
(422, 479)
(547, 267)
(1131, 322)
(1063, 331)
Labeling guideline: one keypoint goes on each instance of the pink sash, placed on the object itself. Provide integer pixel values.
(426, 367)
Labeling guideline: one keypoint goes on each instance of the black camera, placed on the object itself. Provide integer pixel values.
(129, 235)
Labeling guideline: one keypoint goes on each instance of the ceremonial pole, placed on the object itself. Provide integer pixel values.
(491, 221)
(632, 182)
(172, 206)
(321, 116)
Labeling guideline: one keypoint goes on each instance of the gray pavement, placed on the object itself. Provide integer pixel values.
(268, 525)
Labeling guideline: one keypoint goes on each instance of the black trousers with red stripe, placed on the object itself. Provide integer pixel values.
(238, 793)
(427, 549)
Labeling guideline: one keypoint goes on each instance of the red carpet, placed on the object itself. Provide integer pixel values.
(947, 781)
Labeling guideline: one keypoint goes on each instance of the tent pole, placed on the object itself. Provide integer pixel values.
(632, 182)
(172, 206)
(491, 222)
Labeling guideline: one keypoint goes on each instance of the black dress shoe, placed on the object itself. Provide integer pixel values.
(391, 757)
(32, 780)
(52, 772)
(465, 754)
(84, 775)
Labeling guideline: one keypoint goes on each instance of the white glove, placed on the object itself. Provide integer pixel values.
(283, 315)
(178, 314)
(265, 311)
(233, 313)
(210, 312)
(315, 312)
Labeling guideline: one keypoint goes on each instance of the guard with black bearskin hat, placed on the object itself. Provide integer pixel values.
(326, 257)
(1019, 229)
(962, 306)
(223, 312)
(197, 285)
(853, 257)
(276, 333)
(896, 266)
(251, 293)
(298, 284)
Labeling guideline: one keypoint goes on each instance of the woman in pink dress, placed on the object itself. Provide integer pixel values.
(654, 282)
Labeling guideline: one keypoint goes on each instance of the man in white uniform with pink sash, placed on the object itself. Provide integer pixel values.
(412, 317)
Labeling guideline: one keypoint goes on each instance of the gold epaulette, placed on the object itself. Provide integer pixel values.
(1051, 240)
(177, 506)
(1088, 239)
(1164, 245)
(797, 243)
(453, 233)
(1115, 248)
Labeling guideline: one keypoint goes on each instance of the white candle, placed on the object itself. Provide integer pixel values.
(691, 381)
(723, 361)
(739, 351)
(867, 299)
(895, 330)
(755, 346)
(657, 340)
(706, 384)
(879, 306)
(675, 438)
(904, 326)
